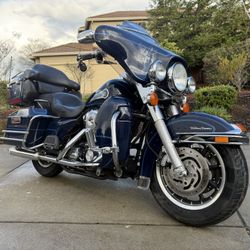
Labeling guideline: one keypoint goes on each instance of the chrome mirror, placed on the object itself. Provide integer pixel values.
(86, 36)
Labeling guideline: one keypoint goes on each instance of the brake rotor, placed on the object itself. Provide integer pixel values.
(197, 178)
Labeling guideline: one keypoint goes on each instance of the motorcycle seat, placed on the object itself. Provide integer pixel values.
(66, 105)
(44, 73)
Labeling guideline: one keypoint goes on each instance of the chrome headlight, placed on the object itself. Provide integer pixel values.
(177, 75)
(157, 72)
(191, 85)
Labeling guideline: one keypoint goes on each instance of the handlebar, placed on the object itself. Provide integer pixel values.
(98, 54)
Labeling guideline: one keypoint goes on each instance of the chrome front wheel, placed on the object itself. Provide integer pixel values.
(204, 182)
(213, 188)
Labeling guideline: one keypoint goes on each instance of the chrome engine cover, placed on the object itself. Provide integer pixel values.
(90, 118)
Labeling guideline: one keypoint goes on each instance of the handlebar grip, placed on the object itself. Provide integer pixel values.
(86, 56)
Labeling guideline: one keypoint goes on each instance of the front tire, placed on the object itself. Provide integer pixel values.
(47, 169)
(222, 190)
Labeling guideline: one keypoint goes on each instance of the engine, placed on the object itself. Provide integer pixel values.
(82, 152)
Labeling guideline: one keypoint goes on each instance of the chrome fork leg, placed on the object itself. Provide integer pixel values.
(179, 169)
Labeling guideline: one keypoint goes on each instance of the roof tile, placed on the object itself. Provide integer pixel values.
(122, 14)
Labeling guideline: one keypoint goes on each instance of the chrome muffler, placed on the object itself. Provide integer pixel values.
(38, 157)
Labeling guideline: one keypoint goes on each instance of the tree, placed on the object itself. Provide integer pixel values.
(33, 45)
(6, 47)
(79, 76)
(172, 47)
(233, 71)
(199, 26)
(3, 93)
(235, 60)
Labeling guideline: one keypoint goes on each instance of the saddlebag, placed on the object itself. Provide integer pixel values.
(26, 127)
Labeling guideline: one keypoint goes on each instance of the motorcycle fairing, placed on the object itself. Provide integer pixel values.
(123, 128)
(113, 87)
(189, 125)
(134, 49)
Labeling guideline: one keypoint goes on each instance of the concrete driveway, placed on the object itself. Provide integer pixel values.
(75, 212)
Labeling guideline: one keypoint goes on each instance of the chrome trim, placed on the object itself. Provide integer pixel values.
(37, 146)
(154, 70)
(166, 139)
(208, 142)
(203, 136)
(41, 100)
(171, 197)
(86, 37)
(11, 139)
(90, 138)
(173, 109)
(37, 157)
(145, 92)
(115, 148)
(71, 143)
(104, 94)
(208, 134)
(155, 113)
(172, 84)
(143, 182)
(14, 132)
(30, 123)
(162, 130)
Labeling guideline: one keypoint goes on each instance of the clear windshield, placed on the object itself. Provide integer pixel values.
(133, 48)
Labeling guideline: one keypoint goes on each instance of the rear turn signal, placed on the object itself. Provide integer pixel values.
(153, 99)
(220, 139)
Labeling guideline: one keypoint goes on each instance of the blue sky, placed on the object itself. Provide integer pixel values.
(54, 21)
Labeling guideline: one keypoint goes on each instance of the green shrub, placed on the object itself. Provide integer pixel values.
(218, 111)
(172, 47)
(3, 94)
(86, 97)
(222, 96)
(212, 61)
(3, 123)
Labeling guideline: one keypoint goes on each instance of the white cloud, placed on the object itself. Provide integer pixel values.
(54, 21)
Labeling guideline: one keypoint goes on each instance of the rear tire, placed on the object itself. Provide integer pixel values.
(227, 201)
(47, 169)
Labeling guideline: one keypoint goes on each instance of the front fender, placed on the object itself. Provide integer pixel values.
(183, 128)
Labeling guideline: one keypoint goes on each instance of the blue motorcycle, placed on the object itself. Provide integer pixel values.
(135, 126)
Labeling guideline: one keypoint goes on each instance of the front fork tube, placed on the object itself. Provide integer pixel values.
(179, 169)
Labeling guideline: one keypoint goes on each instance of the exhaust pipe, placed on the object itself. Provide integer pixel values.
(37, 157)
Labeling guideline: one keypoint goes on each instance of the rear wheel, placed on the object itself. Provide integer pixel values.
(212, 191)
(47, 169)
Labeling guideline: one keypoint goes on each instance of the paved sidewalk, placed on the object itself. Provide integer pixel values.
(8, 163)
(75, 212)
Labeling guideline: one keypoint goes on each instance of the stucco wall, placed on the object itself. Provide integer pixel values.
(95, 24)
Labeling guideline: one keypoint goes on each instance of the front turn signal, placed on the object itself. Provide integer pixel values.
(153, 99)
(186, 108)
(241, 127)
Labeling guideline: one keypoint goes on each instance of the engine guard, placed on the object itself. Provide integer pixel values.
(190, 128)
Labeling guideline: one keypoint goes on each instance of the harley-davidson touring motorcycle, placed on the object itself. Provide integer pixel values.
(136, 126)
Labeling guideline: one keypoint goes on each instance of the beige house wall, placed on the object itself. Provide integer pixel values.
(91, 80)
